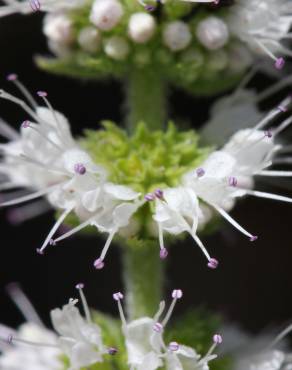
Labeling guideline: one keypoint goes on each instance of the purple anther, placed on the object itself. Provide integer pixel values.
(98, 264)
(112, 351)
(158, 327)
(79, 286)
(268, 133)
(150, 8)
(217, 338)
(79, 168)
(12, 77)
(163, 253)
(25, 124)
(40, 251)
(282, 108)
(177, 294)
(35, 5)
(253, 238)
(232, 181)
(10, 339)
(213, 263)
(42, 94)
(173, 346)
(149, 197)
(118, 296)
(200, 172)
(158, 193)
(280, 63)
(52, 242)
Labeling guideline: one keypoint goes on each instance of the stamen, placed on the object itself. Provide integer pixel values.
(35, 5)
(201, 246)
(7, 131)
(176, 295)
(163, 251)
(99, 264)
(275, 173)
(173, 346)
(29, 197)
(158, 193)
(280, 336)
(14, 78)
(23, 304)
(200, 172)
(149, 197)
(234, 223)
(283, 126)
(217, 339)
(213, 263)
(157, 327)
(232, 181)
(80, 287)
(261, 194)
(79, 168)
(160, 311)
(118, 297)
(54, 229)
(27, 124)
(280, 63)
(112, 351)
(11, 339)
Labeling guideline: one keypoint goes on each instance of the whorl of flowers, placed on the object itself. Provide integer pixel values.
(191, 43)
(173, 188)
(78, 342)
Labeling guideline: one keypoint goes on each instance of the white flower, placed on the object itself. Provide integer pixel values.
(89, 39)
(177, 211)
(176, 35)
(146, 348)
(63, 173)
(32, 344)
(141, 27)
(116, 47)
(58, 28)
(212, 32)
(80, 339)
(106, 14)
(262, 25)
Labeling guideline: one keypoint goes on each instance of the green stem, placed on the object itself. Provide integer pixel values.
(146, 99)
(143, 279)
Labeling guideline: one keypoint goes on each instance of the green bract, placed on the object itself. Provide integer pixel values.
(194, 67)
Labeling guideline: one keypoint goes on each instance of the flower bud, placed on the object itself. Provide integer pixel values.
(177, 35)
(89, 39)
(141, 27)
(106, 14)
(58, 28)
(116, 47)
(213, 33)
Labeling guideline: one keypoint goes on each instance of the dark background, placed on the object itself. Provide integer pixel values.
(253, 284)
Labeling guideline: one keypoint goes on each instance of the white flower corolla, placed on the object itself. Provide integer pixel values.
(176, 35)
(262, 25)
(176, 211)
(58, 28)
(146, 348)
(106, 14)
(80, 339)
(259, 353)
(116, 47)
(64, 173)
(229, 173)
(30, 6)
(89, 39)
(35, 357)
(141, 27)
(212, 32)
(32, 344)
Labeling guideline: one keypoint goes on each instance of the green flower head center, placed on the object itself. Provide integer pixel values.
(145, 160)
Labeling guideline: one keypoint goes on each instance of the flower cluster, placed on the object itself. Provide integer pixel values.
(80, 340)
(44, 157)
(147, 349)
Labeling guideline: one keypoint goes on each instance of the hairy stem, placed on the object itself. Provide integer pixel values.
(143, 277)
(146, 99)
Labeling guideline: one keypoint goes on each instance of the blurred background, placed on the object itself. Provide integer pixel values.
(253, 285)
